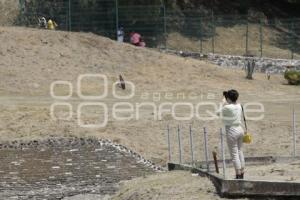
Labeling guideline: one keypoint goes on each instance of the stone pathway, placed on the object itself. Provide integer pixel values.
(66, 167)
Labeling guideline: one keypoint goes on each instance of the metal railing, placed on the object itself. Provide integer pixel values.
(193, 144)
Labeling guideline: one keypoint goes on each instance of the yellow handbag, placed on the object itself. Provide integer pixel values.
(247, 138)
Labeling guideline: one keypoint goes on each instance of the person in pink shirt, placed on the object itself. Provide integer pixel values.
(137, 40)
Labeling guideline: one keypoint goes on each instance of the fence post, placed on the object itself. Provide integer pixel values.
(214, 32)
(201, 45)
(247, 33)
(22, 6)
(261, 37)
(223, 153)
(191, 145)
(216, 161)
(294, 133)
(169, 143)
(165, 24)
(117, 17)
(179, 144)
(206, 148)
(293, 38)
(69, 12)
(290, 39)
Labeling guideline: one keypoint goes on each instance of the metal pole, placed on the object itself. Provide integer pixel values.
(22, 6)
(191, 144)
(247, 32)
(223, 153)
(117, 17)
(214, 31)
(206, 148)
(201, 44)
(292, 40)
(179, 143)
(294, 133)
(70, 21)
(261, 37)
(169, 143)
(165, 26)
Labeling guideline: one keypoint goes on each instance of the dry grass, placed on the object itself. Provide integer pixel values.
(9, 10)
(232, 41)
(31, 59)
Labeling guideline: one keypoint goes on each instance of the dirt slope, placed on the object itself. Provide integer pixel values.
(31, 59)
(173, 185)
(9, 10)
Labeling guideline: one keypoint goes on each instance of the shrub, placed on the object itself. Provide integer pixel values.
(293, 77)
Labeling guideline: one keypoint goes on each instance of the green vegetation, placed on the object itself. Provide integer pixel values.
(293, 77)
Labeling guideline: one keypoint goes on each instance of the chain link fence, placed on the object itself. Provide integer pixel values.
(182, 30)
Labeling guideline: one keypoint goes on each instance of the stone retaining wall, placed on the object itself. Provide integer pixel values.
(273, 66)
(264, 65)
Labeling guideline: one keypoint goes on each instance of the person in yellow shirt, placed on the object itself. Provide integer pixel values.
(51, 24)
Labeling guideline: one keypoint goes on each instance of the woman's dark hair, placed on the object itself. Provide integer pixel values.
(233, 95)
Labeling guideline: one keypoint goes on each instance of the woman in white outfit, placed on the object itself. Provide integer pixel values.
(231, 113)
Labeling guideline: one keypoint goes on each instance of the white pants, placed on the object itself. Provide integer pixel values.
(234, 135)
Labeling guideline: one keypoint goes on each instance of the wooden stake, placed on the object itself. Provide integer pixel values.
(216, 161)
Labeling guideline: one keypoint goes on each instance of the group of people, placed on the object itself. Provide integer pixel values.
(50, 24)
(135, 38)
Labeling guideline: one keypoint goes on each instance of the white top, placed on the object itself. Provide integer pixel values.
(231, 114)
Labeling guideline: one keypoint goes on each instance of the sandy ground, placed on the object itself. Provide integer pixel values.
(171, 185)
(9, 10)
(30, 60)
(275, 172)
